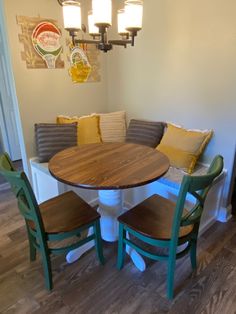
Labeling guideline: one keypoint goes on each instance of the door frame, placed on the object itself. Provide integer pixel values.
(12, 88)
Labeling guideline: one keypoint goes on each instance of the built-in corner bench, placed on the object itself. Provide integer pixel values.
(45, 187)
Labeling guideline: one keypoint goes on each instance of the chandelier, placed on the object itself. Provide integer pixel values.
(129, 23)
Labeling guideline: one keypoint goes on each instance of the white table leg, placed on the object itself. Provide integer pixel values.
(135, 256)
(110, 207)
(74, 255)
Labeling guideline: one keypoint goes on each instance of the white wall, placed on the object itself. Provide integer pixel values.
(182, 69)
(43, 93)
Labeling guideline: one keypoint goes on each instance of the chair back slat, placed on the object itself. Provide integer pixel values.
(5, 163)
(198, 187)
(199, 183)
(21, 187)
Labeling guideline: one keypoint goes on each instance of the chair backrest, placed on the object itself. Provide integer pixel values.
(198, 187)
(21, 187)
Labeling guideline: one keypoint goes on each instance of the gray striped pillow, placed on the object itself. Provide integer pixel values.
(52, 138)
(144, 132)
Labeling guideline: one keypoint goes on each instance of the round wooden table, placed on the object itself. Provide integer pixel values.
(109, 168)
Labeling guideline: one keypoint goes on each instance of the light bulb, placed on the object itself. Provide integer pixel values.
(133, 14)
(93, 30)
(121, 22)
(102, 12)
(72, 15)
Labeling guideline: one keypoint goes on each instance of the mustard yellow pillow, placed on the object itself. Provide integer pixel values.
(67, 120)
(87, 128)
(183, 147)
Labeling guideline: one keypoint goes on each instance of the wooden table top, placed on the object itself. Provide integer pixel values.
(108, 166)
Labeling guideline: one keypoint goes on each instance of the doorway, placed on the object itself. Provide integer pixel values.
(11, 135)
(9, 141)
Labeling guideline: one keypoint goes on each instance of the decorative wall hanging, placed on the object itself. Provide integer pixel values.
(41, 40)
(84, 64)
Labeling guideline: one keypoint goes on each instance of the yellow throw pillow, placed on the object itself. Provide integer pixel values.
(87, 128)
(66, 119)
(183, 147)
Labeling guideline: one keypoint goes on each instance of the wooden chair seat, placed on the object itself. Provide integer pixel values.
(65, 213)
(154, 218)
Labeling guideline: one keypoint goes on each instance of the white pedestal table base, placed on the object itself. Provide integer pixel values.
(74, 255)
(110, 207)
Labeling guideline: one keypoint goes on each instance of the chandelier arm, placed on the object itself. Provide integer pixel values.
(123, 43)
(61, 1)
(132, 39)
(86, 41)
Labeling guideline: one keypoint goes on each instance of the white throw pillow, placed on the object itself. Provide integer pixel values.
(113, 126)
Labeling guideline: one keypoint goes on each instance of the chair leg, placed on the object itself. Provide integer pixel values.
(193, 247)
(32, 249)
(170, 276)
(121, 247)
(193, 254)
(98, 242)
(46, 267)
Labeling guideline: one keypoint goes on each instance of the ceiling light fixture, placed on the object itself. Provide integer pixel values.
(100, 19)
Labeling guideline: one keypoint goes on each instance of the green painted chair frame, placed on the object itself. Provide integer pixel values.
(38, 238)
(197, 186)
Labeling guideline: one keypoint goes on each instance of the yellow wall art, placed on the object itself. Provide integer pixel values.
(84, 64)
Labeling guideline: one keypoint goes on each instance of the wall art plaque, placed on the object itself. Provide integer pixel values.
(41, 39)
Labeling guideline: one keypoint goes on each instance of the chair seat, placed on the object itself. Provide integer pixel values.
(65, 212)
(153, 218)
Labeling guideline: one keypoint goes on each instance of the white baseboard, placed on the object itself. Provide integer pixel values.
(206, 225)
(224, 213)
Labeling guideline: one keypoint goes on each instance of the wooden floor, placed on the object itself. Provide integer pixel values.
(86, 287)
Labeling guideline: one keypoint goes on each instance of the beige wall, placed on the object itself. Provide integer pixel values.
(182, 69)
(43, 93)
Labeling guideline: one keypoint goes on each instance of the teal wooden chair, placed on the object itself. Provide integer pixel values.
(163, 223)
(59, 218)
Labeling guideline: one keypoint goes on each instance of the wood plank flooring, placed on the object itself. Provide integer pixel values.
(86, 287)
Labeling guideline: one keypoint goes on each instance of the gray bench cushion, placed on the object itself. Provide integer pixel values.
(174, 176)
